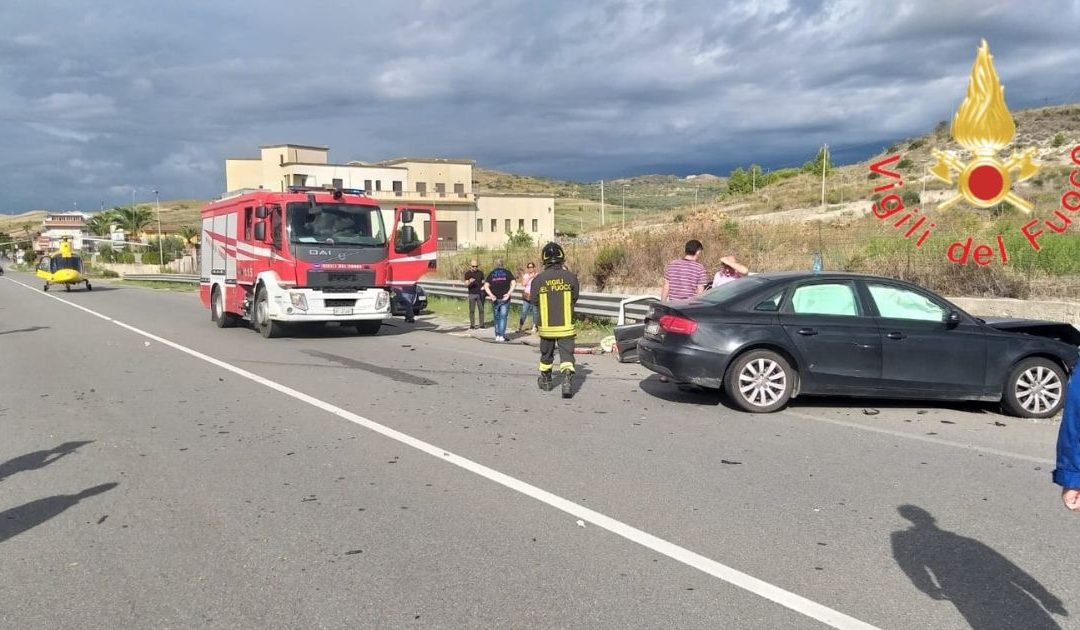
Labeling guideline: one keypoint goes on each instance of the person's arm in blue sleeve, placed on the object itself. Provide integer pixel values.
(1067, 473)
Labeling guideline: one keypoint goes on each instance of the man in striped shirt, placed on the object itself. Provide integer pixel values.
(686, 277)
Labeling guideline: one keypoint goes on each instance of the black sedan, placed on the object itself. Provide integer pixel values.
(767, 338)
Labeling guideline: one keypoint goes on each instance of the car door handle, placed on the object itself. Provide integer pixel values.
(806, 331)
(895, 335)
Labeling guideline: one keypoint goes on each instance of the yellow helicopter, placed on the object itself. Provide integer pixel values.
(64, 267)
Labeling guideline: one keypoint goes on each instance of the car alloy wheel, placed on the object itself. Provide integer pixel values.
(1036, 389)
(760, 381)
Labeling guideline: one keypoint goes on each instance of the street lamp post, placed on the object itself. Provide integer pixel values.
(161, 246)
(131, 224)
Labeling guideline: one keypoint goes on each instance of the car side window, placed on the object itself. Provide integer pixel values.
(900, 303)
(825, 299)
(772, 304)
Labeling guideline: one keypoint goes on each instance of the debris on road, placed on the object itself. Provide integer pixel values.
(870, 412)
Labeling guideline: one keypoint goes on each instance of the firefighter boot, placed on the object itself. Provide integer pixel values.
(568, 384)
(545, 381)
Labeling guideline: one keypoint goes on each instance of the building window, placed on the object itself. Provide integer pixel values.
(536, 225)
(507, 223)
(440, 189)
(479, 225)
(396, 185)
(494, 225)
(521, 225)
(339, 183)
(421, 188)
(378, 184)
(459, 189)
(367, 184)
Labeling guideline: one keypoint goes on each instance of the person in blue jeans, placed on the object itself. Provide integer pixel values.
(1067, 473)
(499, 288)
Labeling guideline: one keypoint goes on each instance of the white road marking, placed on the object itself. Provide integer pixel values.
(921, 438)
(747, 582)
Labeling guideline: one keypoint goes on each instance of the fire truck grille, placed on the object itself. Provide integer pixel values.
(340, 280)
(337, 302)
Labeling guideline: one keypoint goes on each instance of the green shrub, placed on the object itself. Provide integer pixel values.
(521, 238)
(608, 260)
(905, 163)
(1059, 140)
(109, 273)
(910, 198)
(915, 144)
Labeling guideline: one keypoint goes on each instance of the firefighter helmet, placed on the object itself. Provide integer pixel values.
(552, 254)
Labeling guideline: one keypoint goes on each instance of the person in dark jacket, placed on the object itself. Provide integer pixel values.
(554, 292)
(1067, 473)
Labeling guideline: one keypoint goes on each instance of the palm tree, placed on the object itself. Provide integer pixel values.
(132, 219)
(190, 234)
(99, 224)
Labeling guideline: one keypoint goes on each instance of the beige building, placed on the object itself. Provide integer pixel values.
(57, 225)
(466, 219)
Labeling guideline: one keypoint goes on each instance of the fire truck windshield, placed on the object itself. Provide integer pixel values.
(335, 224)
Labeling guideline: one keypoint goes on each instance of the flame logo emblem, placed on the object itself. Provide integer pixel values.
(983, 125)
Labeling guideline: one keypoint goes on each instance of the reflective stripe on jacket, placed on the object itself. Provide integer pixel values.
(554, 292)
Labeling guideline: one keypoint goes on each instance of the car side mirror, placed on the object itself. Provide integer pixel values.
(260, 231)
(952, 320)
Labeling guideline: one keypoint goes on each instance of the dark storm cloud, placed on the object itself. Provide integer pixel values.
(101, 98)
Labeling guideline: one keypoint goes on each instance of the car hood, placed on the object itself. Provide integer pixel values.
(1059, 331)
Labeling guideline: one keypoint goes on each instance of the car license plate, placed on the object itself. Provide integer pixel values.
(343, 310)
(652, 328)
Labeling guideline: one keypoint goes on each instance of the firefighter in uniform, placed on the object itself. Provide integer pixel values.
(554, 293)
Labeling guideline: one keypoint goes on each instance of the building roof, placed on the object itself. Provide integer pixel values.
(427, 161)
(295, 146)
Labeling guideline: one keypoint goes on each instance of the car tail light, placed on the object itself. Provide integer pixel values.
(678, 324)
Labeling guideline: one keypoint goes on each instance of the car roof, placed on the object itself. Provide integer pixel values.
(823, 275)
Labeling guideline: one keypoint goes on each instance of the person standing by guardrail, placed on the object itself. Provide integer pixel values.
(526, 296)
(554, 292)
(684, 278)
(499, 287)
(1067, 473)
(474, 280)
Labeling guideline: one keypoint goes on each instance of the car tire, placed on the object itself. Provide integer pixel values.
(1035, 388)
(267, 327)
(760, 381)
(369, 327)
(217, 310)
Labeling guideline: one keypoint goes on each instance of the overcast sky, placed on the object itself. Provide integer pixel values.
(99, 98)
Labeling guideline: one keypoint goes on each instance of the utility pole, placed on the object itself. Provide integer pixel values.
(161, 246)
(624, 206)
(128, 236)
(824, 162)
(753, 179)
(601, 202)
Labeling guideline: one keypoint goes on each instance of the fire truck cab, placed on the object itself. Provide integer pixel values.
(312, 256)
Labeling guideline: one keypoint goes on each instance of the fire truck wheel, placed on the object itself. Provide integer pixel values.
(369, 328)
(217, 310)
(267, 327)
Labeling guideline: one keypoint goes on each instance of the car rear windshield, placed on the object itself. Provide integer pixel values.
(730, 290)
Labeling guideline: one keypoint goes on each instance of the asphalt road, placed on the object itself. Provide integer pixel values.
(157, 472)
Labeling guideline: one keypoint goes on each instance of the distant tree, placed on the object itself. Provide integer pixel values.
(26, 228)
(738, 182)
(820, 160)
(188, 233)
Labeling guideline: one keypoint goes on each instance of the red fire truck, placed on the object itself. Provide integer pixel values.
(310, 256)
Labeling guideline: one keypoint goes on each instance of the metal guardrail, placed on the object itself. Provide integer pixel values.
(162, 277)
(610, 305)
(621, 308)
